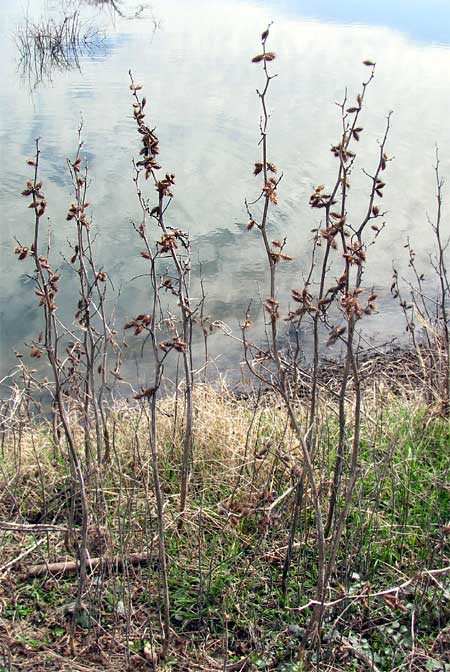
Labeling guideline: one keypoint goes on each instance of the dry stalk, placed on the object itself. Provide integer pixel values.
(427, 311)
(46, 282)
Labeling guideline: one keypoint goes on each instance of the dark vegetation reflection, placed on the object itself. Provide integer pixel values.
(50, 45)
(58, 44)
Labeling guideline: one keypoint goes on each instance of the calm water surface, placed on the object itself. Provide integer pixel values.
(194, 60)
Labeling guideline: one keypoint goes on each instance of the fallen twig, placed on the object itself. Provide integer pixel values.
(32, 529)
(285, 494)
(364, 596)
(71, 566)
(20, 557)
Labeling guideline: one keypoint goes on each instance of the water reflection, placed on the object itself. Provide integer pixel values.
(200, 85)
(122, 9)
(426, 22)
(115, 6)
(50, 45)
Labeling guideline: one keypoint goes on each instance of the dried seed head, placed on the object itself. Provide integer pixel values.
(36, 352)
(22, 252)
(258, 168)
(268, 56)
(146, 394)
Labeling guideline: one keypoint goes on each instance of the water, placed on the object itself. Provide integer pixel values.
(194, 62)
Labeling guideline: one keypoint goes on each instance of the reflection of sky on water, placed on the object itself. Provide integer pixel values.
(201, 88)
(422, 20)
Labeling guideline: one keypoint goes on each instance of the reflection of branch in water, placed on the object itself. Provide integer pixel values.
(51, 45)
(140, 11)
(107, 3)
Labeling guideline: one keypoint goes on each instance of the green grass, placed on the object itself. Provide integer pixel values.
(226, 563)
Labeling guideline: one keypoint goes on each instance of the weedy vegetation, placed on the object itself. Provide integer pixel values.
(302, 524)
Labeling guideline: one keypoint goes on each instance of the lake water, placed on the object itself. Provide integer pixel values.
(194, 60)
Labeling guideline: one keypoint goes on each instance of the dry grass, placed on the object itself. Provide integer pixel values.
(225, 563)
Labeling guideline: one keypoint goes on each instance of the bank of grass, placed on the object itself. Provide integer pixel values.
(228, 611)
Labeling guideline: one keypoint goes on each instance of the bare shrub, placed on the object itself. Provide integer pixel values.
(337, 304)
(426, 311)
